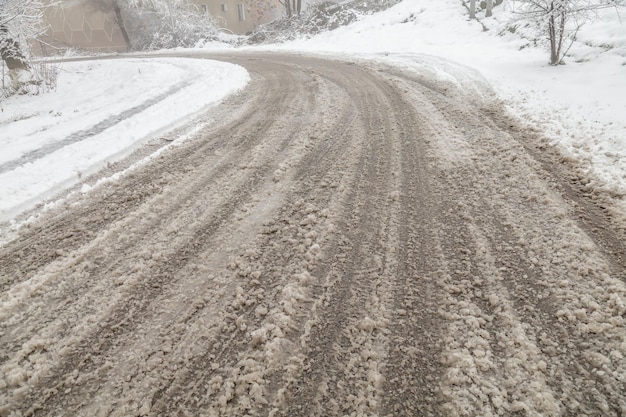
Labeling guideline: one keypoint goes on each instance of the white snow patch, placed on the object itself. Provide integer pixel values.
(101, 111)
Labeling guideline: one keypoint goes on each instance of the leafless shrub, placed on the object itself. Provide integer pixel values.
(42, 78)
(47, 73)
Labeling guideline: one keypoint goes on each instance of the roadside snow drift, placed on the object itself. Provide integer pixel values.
(101, 111)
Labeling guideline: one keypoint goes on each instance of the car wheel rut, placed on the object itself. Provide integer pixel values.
(343, 239)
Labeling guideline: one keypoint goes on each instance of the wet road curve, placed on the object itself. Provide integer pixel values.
(344, 239)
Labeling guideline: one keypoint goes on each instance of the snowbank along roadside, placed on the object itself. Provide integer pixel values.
(101, 111)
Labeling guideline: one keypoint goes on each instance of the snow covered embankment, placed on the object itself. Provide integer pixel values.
(102, 111)
(579, 107)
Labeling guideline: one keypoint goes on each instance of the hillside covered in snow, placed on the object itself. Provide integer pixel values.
(580, 106)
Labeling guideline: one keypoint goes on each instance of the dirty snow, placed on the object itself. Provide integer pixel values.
(321, 265)
(579, 106)
(52, 141)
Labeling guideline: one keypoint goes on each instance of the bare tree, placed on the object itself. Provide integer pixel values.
(20, 21)
(115, 7)
(11, 52)
(119, 19)
(561, 20)
(155, 24)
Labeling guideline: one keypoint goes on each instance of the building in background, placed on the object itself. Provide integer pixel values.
(92, 25)
(232, 15)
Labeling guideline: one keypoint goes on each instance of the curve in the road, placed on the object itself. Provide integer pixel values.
(350, 239)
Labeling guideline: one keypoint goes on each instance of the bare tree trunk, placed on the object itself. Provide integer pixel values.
(472, 9)
(120, 22)
(559, 48)
(489, 8)
(12, 55)
(552, 34)
(172, 25)
(294, 7)
(556, 32)
(288, 9)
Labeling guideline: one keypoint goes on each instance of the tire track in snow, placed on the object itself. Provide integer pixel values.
(185, 248)
(351, 240)
(412, 370)
(347, 339)
(183, 202)
(47, 245)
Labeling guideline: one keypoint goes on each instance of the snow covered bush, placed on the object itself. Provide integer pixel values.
(317, 18)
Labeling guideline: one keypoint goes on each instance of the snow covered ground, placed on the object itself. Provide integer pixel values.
(101, 111)
(580, 106)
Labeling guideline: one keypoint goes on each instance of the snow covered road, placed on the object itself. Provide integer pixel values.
(349, 239)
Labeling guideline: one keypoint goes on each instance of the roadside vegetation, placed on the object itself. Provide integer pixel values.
(164, 24)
